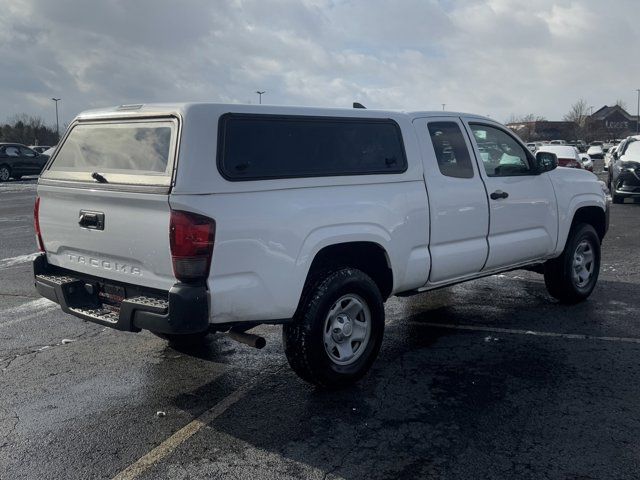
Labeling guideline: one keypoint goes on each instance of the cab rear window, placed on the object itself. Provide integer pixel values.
(123, 152)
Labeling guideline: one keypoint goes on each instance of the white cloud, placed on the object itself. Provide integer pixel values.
(493, 57)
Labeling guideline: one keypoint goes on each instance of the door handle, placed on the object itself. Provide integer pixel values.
(498, 194)
(93, 220)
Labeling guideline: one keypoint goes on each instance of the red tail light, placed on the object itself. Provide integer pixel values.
(191, 237)
(36, 224)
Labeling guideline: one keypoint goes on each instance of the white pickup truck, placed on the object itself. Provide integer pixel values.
(186, 219)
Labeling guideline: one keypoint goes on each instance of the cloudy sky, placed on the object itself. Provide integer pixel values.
(493, 57)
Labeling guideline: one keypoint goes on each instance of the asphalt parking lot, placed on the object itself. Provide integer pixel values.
(490, 379)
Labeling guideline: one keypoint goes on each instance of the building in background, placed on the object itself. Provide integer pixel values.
(541, 130)
(607, 123)
(611, 123)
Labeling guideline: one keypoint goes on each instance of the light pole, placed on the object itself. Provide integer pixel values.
(638, 114)
(443, 105)
(57, 122)
(260, 95)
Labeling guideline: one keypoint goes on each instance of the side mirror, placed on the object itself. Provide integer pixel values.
(546, 161)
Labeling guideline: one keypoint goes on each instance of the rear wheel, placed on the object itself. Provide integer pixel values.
(573, 275)
(5, 173)
(338, 328)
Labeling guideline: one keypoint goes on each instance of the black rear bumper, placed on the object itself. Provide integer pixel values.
(183, 309)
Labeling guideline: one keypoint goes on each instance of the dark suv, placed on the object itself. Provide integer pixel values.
(17, 160)
(624, 171)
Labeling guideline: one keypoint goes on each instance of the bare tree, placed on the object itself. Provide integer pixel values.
(524, 125)
(23, 128)
(578, 113)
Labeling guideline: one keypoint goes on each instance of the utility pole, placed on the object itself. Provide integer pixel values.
(260, 95)
(57, 121)
(443, 105)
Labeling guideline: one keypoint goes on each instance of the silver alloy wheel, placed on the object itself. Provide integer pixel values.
(347, 329)
(583, 264)
(4, 174)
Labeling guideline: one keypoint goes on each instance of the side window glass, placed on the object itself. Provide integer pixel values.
(27, 152)
(12, 152)
(501, 154)
(451, 151)
(253, 147)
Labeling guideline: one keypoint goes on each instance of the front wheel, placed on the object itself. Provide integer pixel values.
(337, 331)
(5, 173)
(573, 275)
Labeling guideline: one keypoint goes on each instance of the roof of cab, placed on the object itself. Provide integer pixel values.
(182, 109)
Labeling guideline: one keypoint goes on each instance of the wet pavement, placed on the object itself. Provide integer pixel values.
(489, 379)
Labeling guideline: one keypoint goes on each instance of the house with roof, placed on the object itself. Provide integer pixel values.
(613, 122)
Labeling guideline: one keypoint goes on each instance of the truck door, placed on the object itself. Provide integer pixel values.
(458, 207)
(523, 207)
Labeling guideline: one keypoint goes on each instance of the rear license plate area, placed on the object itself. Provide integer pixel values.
(111, 296)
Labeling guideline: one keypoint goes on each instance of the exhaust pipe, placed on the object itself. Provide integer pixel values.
(250, 339)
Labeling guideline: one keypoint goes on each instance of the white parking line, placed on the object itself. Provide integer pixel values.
(26, 311)
(10, 262)
(573, 336)
(174, 441)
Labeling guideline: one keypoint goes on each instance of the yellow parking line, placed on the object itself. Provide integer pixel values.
(174, 441)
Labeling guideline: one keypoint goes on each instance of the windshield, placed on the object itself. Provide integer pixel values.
(633, 150)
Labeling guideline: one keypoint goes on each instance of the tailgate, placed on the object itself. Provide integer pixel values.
(132, 246)
(104, 200)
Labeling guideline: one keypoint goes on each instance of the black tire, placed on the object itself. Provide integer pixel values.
(186, 341)
(617, 198)
(5, 173)
(304, 341)
(558, 273)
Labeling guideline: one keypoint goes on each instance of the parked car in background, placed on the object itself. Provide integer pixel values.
(624, 173)
(609, 157)
(581, 146)
(596, 152)
(39, 148)
(568, 156)
(49, 151)
(587, 163)
(557, 142)
(622, 146)
(532, 147)
(17, 160)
